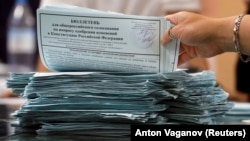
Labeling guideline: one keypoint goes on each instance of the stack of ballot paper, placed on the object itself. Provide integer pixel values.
(106, 104)
(239, 114)
(199, 100)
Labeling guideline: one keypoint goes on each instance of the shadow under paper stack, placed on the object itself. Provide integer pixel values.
(106, 104)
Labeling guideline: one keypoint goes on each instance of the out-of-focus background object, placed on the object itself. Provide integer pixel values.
(21, 38)
(3, 125)
(7, 9)
(173, 6)
(135, 7)
(4, 92)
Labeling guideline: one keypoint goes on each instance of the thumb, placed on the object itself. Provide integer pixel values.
(176, 18)
(168, 35)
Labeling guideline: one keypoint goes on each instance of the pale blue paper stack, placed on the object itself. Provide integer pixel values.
(199, 99)
(239, 114)
(105, 104)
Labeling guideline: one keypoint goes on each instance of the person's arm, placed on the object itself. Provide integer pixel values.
(205, 37)
(244, 35)
(226, 34)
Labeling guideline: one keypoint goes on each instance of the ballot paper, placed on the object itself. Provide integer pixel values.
(72, 38)
(238, 114)
(18, 81)
(105, 104)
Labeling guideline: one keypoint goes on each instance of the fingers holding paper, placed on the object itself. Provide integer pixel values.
(197, 38)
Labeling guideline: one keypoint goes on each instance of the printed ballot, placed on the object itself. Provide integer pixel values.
(72, 38)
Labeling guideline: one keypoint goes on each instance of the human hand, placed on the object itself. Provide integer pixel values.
(200, 36)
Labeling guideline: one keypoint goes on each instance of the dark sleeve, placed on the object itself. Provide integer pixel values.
(5, 8)
(243, 76)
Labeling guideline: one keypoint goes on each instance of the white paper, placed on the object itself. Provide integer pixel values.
(72, 38)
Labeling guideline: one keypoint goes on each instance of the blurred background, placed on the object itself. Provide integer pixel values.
(224, 66)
